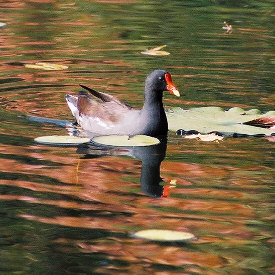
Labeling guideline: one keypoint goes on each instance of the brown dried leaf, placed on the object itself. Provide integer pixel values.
(156, 51)
(205, 137)
(227, 27)
(46, 66)
(265, 122)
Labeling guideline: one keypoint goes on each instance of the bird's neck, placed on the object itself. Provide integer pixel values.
(153, 114)
(153, 100)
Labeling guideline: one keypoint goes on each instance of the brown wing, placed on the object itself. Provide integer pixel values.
(105, 97)
(111, 110)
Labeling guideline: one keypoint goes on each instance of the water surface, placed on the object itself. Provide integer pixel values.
(66, 212)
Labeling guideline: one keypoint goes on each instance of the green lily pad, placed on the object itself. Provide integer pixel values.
(215, 119)
(125, 141)
(61, 140)
(164, 235)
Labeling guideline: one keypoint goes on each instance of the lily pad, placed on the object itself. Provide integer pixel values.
(215, 119)
(46, 66)
(164, 235)
(125, 141)
(61, 140)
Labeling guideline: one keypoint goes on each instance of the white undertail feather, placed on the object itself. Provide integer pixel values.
(72, 103)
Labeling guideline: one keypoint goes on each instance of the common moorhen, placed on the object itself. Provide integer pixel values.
(112, 116)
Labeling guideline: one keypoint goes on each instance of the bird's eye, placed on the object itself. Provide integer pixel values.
(160, 77)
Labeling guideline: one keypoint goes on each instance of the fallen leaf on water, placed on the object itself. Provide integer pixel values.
(61, 140)
(271, 139)
(173, 182)
(3, 25)
(164, 235)
(125, 141)
(46, 66)
(266, 122)
(227, 27)
(156, 51)
(205, 137)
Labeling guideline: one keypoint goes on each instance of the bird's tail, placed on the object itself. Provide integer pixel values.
(72, 103)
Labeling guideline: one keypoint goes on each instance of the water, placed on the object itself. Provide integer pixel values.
(64, 212)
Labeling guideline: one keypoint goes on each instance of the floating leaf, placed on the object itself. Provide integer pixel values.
(266, 122)
(227, 27)
(156, 51)
(164, 235)
(271, 139)
(214, 119)
(46, 66)
(122, 141)
(3, 25)
(205, 137)
(61, 140)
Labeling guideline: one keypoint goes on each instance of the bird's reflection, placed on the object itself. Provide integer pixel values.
(150, 156)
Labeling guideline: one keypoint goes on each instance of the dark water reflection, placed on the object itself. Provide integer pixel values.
(151, 158)
(63, 212)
